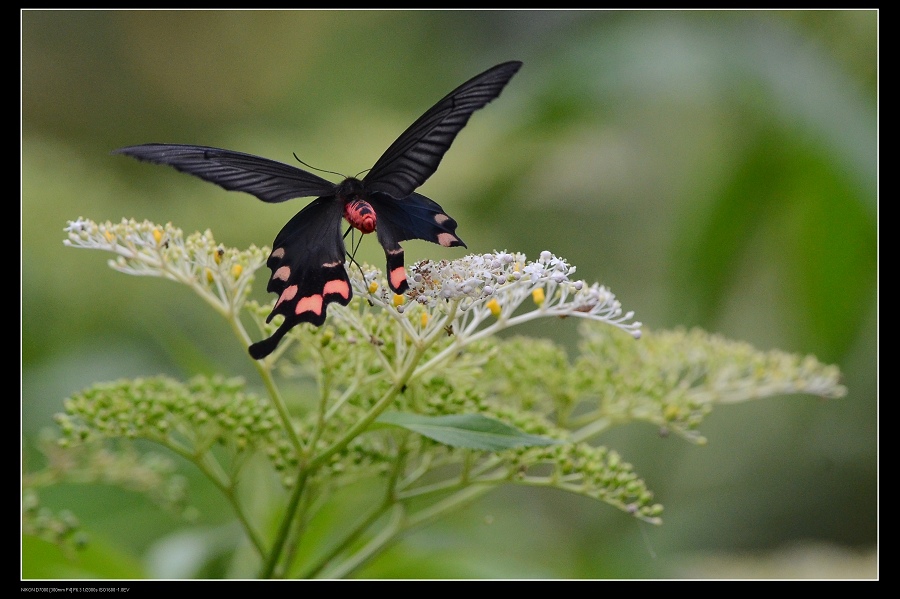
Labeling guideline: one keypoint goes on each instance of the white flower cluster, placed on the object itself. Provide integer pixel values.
(221, 276)
(496, 285)
(474, 289)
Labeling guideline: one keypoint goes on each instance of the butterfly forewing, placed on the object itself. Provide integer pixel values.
(416, 154)
(268, 180)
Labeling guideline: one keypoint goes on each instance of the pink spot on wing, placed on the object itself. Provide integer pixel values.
(337, 286)
(398, 277)
(282, 273)
(312, 304)
(287, 295)
(446, 239)
(277, 253)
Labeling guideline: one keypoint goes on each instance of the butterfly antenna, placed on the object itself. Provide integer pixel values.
(317, 169)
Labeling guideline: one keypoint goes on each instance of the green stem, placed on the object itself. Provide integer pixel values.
(283, 530)
(457, 500)
(293, 542)
(594, 427)
(355, 532)
(390, 498)
(213, 471)
(401, 526)
(380, 406)
(265, 373)
(384, 539)
(452, 484)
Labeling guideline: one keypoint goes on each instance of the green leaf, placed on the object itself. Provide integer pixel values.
(472, 431)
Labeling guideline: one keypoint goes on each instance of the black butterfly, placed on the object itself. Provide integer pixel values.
(307, 259)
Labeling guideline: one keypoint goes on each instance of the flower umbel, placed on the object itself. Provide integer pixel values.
(500, 288)
(221, 276)
(466, 292)
(415, 391)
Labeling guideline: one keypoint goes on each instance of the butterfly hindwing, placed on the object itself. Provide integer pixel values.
(413, 217)
(268, 180)
(416, 154)
(307, 264)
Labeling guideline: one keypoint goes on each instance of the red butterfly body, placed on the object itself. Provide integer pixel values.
(307, 259)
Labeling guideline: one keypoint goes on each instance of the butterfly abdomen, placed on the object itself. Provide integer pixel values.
(360, 214)
(357, 211)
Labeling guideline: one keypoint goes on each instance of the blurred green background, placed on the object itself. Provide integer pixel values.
(714, 169)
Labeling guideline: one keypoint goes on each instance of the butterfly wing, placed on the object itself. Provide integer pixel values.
(416, 154)
(414, 157)
(307, 264)
(413, 217)
(268, 180)
(307, 260)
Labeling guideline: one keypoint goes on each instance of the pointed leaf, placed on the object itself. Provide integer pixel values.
(471, 431)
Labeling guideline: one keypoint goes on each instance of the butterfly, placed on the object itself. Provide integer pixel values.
(307, 259)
